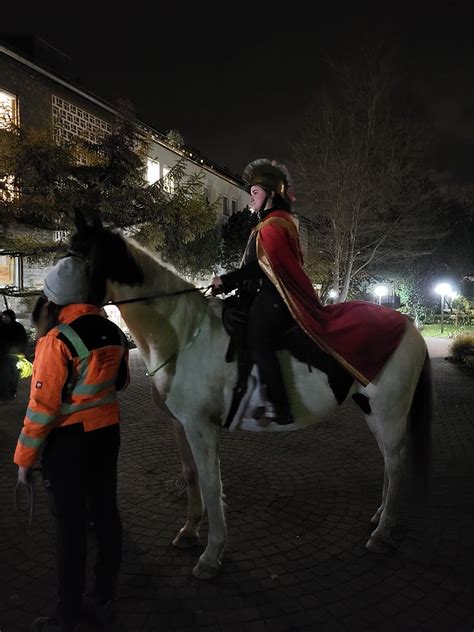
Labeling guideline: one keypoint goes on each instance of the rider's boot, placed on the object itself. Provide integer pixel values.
(277, 407)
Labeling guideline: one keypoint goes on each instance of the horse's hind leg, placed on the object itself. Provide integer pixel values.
(188, 536)
(373, 427)
(391, 442)
(376, 517)
(203, 438)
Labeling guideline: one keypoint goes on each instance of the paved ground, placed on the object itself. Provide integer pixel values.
(298, 514)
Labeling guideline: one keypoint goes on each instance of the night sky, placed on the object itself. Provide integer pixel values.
(236, 81)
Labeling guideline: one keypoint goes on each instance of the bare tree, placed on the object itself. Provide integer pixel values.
(359, 176)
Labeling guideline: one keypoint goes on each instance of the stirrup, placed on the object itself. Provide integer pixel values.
(265, 411)
(265, 415)
(270, 411)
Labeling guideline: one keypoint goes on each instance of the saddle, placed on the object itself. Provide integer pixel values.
(294, 340)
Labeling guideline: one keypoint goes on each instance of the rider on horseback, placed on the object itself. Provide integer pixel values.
(269, 316)
(285, 294)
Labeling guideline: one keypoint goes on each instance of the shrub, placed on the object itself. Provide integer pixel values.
(461, 304)
(462, 349)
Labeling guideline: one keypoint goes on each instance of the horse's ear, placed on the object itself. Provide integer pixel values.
(97, 272)
(97, 222)
(80, 220)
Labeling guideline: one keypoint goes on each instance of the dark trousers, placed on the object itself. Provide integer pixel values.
(8, 375)
(80, 473)
(269, 318)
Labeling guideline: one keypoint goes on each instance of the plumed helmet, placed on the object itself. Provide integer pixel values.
(269, 175)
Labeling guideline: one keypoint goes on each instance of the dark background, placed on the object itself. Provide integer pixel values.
(236, 80)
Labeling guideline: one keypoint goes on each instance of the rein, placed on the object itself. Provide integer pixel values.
(196, 332)
(154, 296)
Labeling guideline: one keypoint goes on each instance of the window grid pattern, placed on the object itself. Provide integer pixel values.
(70, 121)
(8, 190)
(60, 235)
(168, 181)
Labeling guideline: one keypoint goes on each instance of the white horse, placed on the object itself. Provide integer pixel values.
(183, 344)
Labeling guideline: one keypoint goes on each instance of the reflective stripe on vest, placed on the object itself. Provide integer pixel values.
(81, 388)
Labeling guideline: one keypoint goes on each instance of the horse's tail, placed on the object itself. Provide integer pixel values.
(419, 427)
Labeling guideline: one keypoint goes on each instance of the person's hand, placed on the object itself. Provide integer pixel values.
(24, 366)
(24, 474)
(217, 286)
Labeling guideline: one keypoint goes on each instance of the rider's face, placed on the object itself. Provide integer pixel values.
(257, 198)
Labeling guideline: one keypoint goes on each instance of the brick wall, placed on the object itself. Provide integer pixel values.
(34, 92)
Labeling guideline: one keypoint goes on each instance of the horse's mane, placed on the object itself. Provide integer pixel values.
(151, 263)
(114, 257)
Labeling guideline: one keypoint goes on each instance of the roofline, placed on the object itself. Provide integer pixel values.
(157, 136)
(46, 73)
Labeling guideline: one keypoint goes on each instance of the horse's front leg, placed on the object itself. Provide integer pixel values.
(188, 536)
(203, 438)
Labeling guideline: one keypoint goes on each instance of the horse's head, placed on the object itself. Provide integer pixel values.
(87, 232)
(107, 254)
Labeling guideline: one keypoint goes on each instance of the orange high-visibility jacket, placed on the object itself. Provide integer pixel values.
(78, 368)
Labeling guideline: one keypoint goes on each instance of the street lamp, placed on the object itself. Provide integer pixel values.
(443, 289)
(379, 291)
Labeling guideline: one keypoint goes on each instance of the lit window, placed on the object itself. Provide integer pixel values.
(225, 205)
(8, 109)
(6, 270)
(60, 235)
(168, 182)
(152, 171)
(8, 191)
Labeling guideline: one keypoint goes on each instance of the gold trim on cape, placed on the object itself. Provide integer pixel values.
(286, 296)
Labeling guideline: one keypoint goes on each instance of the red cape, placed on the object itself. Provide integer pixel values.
(360, 335)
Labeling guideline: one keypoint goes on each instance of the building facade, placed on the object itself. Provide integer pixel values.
(36, 92)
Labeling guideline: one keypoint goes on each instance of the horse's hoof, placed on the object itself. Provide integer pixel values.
(376, 545)
(202, 570)
(182, 541)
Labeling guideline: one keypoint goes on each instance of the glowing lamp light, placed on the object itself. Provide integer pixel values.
(379, 291)
(333, 293)
(443, 289)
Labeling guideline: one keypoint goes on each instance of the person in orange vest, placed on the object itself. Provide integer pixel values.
(81, 362)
